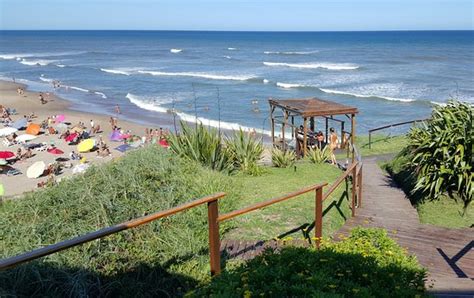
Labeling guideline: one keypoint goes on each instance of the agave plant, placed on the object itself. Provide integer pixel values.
(245, 152)
(283, 158)
(442, 154)
(317, 155)
(202, 145)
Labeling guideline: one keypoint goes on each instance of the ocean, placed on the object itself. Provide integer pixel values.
(225, 78)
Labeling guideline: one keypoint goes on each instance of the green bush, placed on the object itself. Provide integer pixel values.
(439, 156)
(165, 257)
(317, 155)
(367, 264)
(283, 158)
(202, 145)
(245, 152)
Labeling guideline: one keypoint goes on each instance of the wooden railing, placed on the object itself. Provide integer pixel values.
(213, 220)
(391, 125)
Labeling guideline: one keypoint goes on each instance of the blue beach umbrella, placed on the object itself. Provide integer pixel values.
(19, 124)
(123, 148)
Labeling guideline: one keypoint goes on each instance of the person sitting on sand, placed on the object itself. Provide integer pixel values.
(41, 98)
(96, 129)
(12, 138)
(18, 154)
(27, 154)
(74, 156)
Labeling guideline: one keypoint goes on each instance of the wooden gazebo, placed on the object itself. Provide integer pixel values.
(308, 109)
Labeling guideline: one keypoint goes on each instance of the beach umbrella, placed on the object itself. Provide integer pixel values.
(86, 145)
(61, 127)
(125, 136)
(36, 170)
(19, 124)
(60, 118)
(55, 151)
(3, 162)
(71, 137)
(123, 148)
(25, 138)
(2, 190)
(80, 168)
(7, 131)
(33, 129)
(6, 154)
(115, 136)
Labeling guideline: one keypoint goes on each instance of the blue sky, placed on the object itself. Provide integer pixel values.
(289, 15)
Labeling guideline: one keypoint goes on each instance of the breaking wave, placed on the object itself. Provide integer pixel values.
(117, 71)
(367, 96)
(198, 75)
(40, 62)
(290, 53)
(176, 51)
(330, 66)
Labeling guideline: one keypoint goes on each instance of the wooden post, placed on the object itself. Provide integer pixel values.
(354, 189)
(318, 221)
(327, 129)
(283, 128)
(305, 136)
(353, 136)
(293, 132)
(214, 241)
(359, 197)
(272, 124)
(311, 123)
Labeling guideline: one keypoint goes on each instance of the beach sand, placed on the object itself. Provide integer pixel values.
(29, 103)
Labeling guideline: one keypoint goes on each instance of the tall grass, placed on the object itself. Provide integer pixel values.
(164, 258)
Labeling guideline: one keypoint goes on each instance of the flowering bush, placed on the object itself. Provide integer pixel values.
(366, 264)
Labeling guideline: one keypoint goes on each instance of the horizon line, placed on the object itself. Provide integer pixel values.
(245, 31)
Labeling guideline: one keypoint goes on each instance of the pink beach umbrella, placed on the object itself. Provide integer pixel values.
(71, 137)
(60, 118)
(125, 136)
(55, 151)
(6, 154)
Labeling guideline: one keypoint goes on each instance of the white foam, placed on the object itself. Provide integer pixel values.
(149, 103)
(290, 53)
(19, 56)
(79, 89)
(232, 49)
(441, 104)
(367, 95)
(330, 66)
(120, 71)
(100, 94)
(198, 75)
(41, 62)
(227, 57)
(176, 50)
(265, 81)
(289, 85)
(61, 65)
(42, 78)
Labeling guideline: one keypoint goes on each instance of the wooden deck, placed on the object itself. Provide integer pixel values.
(448, 254)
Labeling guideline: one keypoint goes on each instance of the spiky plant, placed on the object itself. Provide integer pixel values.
(283, 158)
(318, 156)
(246, 151)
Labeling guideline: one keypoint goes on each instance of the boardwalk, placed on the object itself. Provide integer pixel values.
(448, 254)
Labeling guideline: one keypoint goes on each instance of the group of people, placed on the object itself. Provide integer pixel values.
(318, 140)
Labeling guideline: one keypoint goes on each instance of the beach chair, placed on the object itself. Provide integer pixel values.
(7, 143)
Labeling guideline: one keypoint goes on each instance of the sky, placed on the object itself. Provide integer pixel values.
(237, 15)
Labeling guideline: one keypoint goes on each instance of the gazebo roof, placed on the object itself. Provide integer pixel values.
(313, 107)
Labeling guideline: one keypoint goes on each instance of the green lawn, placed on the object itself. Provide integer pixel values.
(446, 213)
(283, 217)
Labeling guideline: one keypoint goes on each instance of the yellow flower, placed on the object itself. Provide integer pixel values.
(340, 274)
(355, 290)
(247, 294)
(332, 286)
(364, 275)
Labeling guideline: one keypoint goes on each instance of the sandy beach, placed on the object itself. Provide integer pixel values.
(29, 103)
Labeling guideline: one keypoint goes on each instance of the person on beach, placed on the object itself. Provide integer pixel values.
(41, 98)
(333, 144)
(117, 109)
(320, 140)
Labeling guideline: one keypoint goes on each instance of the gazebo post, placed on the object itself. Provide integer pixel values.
(272, 123)
(327, 129)
(305, 135)
(311, 124)
(353, 136)
(293, 133)
(283, 127)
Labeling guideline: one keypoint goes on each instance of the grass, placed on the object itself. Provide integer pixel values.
(446, 212)
(381, 144)
(165, 258)
(283, 217)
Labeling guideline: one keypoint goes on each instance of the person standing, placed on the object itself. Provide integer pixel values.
(333, 144)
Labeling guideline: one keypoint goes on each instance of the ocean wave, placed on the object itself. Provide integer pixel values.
(78, 89)
(330, 66)
(176, 51)
(19, 56)
(232, 49)
(265, 81)
(61, 65)
(198, 75)
(289, 85)
(149, 103)
(41, 62)
(228, 57)
(117, 71)
(42, 78)
(290, 53)
(100, 94)
(367, 96)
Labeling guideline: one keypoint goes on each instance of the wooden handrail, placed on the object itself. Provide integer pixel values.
(270, 202)
(391, 125)
(339, 180)
(50, 249)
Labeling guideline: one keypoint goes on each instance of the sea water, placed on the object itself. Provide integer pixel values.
(226, 78)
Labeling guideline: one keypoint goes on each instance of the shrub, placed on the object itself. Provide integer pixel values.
(441, 153)
(245, 152)
(367, 264)
(317, 155)
(283, 158)
(162, 258)
(202, 145)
